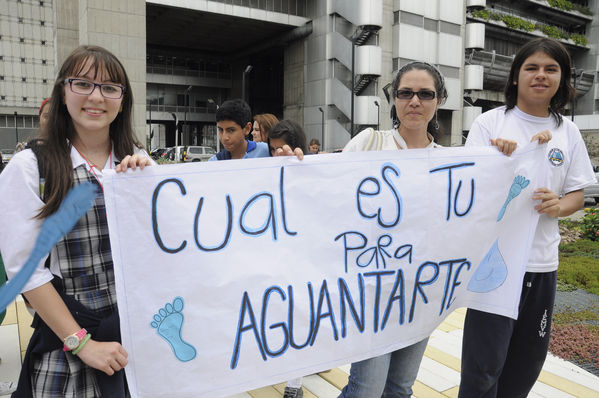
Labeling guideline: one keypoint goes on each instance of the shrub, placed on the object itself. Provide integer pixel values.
(579, 39)
(576, 341)
(580, 247)
(561, 4)
(482, 14)
(580, 271)
(554, 32)
(590, 224)
(518, 23)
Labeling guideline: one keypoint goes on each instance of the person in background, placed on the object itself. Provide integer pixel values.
(234, 123)
(314, 146)
(263, 123)
(288, 132)
(43, 114)
(418, 92)
(502, 357)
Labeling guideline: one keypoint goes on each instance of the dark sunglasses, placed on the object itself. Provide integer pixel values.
(425, 95)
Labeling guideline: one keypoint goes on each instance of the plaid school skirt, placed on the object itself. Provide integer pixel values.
(85, 260)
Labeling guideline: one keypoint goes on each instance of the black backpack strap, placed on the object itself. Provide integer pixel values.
(37, 146)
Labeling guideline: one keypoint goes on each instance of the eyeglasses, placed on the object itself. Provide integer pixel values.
(85, 87)
(425, 95)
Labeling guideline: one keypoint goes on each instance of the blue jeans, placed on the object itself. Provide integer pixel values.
(388, 375)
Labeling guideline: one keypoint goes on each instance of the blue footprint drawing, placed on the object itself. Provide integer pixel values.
(520, 182)
(168, 323)
(491, 272)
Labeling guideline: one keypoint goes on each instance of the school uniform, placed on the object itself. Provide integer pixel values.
(254, 150)
(82, 260)
(502, 357)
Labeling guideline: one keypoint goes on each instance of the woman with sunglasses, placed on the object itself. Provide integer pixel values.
(418, 91)
(75, 349)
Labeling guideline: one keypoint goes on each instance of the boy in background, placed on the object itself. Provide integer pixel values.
(234, 123)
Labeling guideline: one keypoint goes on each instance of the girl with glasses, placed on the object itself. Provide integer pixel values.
(419, 90)
(75, 348)
(502, 357)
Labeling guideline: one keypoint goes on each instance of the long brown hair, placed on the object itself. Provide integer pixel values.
(266, 121)
(60, 131)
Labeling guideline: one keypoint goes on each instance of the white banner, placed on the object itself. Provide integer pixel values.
(239, 274)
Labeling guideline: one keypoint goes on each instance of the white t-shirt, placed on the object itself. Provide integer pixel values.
(20, 202)
(567, 159)
(389, 138)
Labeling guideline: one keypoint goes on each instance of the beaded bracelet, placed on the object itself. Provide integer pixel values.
(76, 350)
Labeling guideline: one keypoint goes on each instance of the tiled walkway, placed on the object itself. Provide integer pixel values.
(439, 374)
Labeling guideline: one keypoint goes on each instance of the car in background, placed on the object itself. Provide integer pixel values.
(592, 191)
(198, 153)
(158, 153)
(175, 154)
(7, 154)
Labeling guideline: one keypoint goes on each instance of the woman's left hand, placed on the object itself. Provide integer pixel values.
(549, 202)
(133, 162)
(285, 150)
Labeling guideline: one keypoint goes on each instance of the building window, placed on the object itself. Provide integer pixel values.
(43, 61)
(44, 81)
(2, 97)
(22, 39)
(1, 57)
(20, 19)
(41, 3)
(43, 42)
(1, 77)
(43, 23)
(24, 99)
(22, 59)
(23, 79)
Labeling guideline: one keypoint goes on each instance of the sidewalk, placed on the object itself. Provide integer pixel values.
(439, 374)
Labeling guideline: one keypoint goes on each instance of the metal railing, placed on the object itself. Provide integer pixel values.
(180, 108)
(179, 71)
(292, 7)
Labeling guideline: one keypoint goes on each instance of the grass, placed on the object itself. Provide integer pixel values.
(579, 265)
(575, 334)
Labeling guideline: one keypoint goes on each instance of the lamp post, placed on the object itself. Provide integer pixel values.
(150, 129)
(247, 70)
(353, 82)
(576, 73)
(187, 90)
(378, 114)
(322, 126)
(16, 130)
(174, 115)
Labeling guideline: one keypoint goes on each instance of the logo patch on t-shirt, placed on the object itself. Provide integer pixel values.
(556, 157)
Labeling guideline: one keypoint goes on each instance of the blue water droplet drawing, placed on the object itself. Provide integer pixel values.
(519, 183)
(490, 273)
(168, 323)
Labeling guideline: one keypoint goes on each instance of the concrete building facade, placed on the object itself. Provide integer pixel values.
(297, 59)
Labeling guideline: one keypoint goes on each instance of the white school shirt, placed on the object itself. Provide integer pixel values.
(567, 159)
(19, 203)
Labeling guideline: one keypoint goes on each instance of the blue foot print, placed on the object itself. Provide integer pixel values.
(491, 272)
(168, 322)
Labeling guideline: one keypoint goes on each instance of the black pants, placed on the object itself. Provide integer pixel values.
(502, 357)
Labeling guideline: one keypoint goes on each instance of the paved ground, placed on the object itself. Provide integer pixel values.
(439, 374)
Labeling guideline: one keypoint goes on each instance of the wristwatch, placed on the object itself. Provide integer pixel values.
(71, 342)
